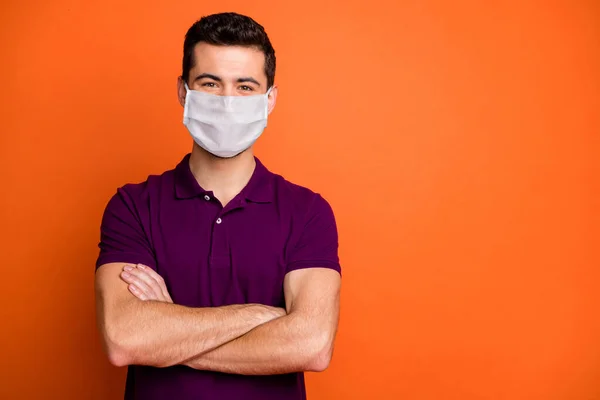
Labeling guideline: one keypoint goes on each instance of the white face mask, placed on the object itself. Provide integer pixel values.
(225, 125)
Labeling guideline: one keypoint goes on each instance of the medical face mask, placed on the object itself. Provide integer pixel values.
(225, 125)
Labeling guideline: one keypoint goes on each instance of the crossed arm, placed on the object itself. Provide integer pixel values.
(140, 325)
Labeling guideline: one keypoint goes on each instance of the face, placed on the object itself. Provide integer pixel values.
(228, 71)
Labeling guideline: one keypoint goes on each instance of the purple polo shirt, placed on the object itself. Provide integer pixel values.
(212, 256)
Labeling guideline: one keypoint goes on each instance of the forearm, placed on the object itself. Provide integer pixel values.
(162, 334)
(283, 345)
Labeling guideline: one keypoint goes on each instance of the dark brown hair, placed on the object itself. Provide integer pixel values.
(228, 29)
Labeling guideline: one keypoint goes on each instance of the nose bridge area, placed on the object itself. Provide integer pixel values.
(228, 89)
(228, 102)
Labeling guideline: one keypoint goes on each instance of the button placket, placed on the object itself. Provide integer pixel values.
(220, 253)
(219, 249)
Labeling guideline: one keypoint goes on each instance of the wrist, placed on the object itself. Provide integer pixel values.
(270, 313)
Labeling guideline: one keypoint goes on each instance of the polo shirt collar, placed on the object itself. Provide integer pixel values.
(258, 190)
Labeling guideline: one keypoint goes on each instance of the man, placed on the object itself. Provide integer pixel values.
(219, 279)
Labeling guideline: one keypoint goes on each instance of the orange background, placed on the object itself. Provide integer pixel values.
(458, 143)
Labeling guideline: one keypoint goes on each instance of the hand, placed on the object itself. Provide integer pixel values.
(271, 313)
(145, 283)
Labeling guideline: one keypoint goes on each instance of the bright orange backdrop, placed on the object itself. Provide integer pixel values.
(458, 143)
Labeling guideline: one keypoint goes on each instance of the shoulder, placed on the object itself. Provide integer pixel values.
(303, 200)
(134, 197)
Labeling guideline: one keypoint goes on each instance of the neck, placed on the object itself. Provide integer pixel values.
(225, 177)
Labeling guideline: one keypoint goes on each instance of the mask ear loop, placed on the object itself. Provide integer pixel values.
(267, 98)
(185, 106)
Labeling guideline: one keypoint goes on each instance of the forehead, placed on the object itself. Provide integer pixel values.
(229, 61)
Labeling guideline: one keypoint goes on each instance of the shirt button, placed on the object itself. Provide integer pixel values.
(206, 197)
(219, 220)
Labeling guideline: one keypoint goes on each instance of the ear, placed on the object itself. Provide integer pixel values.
(272, 98)
(181, 91)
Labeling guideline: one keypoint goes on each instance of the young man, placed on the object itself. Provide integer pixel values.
(219, 279)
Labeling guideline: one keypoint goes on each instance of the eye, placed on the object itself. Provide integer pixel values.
(246, 88)
(209, 84)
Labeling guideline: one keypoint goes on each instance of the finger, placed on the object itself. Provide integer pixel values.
(137, 292)
(150, 282)
(132, 279)
(159, 279)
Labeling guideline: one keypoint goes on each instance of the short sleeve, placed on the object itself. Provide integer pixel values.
(122, 237)
(317, 246)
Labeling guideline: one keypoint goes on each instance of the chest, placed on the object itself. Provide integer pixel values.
(210, 256)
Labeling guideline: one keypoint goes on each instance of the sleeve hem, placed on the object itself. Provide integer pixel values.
(130, 258)
(314, 264)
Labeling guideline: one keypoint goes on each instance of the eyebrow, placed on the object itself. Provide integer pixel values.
(248, 79)
(218, 79)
